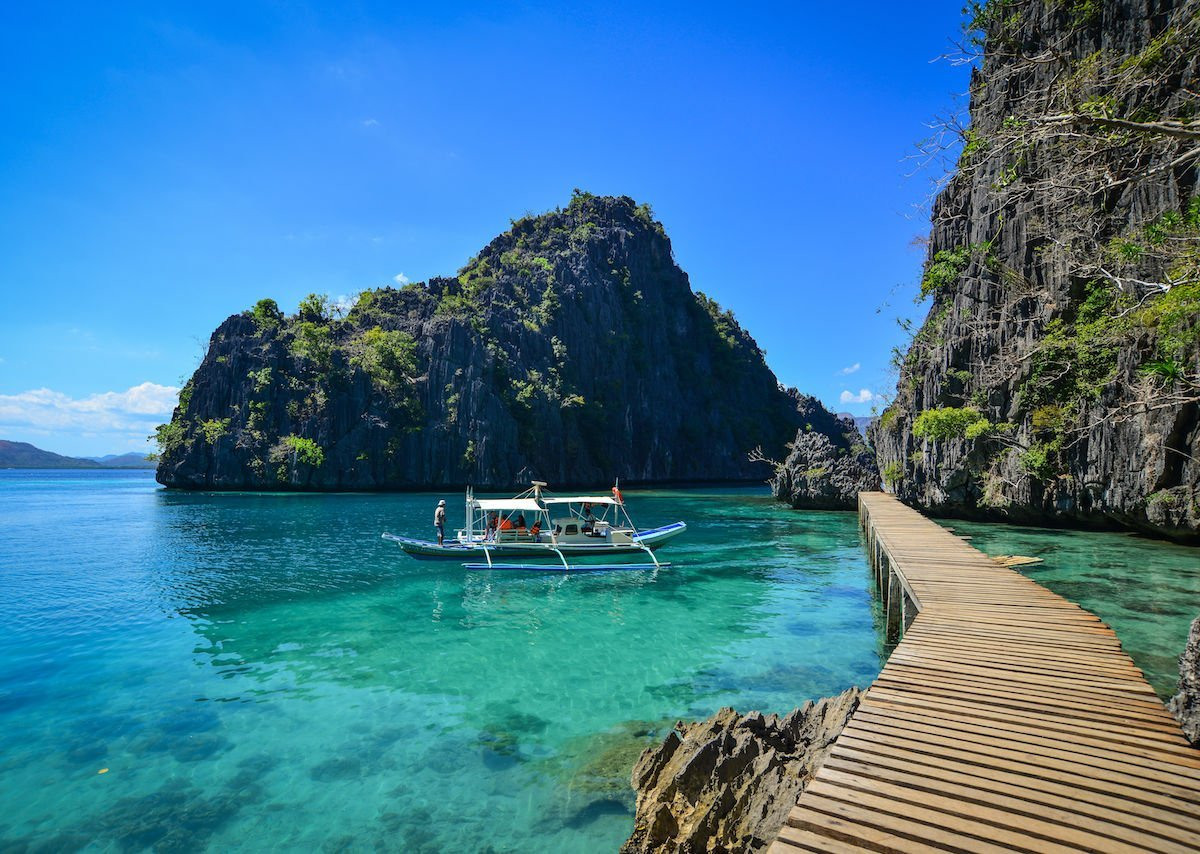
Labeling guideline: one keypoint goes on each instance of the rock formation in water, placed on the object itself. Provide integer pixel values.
(1056, 378)
(829, 463)
(1185, 705)
(571, 349)
(726, 784)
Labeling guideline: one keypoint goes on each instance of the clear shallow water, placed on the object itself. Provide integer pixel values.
(262, 671)
(1147, 590)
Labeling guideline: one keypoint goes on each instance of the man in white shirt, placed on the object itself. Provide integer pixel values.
(439, 520)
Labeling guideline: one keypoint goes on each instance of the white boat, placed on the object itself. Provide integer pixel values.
(538, 526)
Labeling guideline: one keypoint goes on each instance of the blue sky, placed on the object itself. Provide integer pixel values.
(166, 167)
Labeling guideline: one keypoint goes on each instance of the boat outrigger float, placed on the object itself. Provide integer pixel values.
(538, 526)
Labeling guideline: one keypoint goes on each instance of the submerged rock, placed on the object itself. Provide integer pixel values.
(727, 783)
(1185, 705)
(829, 463)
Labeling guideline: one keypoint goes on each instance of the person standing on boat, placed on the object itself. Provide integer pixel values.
(439, 520)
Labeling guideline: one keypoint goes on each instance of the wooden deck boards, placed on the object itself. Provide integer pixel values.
(1006, 719)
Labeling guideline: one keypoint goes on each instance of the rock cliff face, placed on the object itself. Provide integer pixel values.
(829, 463)
(1185, 705)
(571, 350)
(726, 784)
(1056, 378)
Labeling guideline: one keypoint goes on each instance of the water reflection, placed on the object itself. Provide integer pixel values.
(272, 651)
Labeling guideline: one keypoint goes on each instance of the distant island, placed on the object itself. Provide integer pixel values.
(22, 455)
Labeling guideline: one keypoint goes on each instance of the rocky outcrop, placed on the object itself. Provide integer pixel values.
(1056, 379)
(571, 350)
(829, 463)
(726, 784)
(1185, 705)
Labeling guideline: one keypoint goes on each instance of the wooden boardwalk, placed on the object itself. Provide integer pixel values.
(1007, 719)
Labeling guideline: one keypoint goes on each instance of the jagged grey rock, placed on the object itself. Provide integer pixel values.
(828, 465)
(1132, 454)
(1185, 705)
(571, 349)
(726, 784)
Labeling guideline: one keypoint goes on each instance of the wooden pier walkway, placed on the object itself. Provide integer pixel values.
(1007, 719)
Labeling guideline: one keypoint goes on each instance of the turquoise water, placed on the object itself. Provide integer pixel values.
(1147, 590)
(262, 671)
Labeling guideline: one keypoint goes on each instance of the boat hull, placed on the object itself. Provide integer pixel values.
(427, 550)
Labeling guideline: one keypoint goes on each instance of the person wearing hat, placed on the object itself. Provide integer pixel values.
(439, 520)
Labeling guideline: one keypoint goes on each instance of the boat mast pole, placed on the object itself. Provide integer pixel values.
(545, 512)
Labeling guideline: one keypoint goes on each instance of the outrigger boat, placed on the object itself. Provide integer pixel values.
(554, 528)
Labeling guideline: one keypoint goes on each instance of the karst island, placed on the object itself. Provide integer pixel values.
(564, 428)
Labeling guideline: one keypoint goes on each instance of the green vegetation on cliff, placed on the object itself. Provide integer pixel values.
(570, 348)
(1058, 370)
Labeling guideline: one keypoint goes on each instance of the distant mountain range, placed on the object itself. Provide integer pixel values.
(22, 455)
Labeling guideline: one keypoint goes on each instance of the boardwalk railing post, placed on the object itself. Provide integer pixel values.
(893, 606)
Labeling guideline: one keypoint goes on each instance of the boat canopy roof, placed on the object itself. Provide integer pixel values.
(522, 504)
(580, 499)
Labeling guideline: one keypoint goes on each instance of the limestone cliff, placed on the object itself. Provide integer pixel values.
(828, 465)
(1185, 705)
(1056, 378)
(726, 784)
(571, 349)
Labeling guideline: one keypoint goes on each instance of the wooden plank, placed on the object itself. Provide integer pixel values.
(1063, 835)
(1043, 631)
(967, 831)
(965, 634)
(1103, 729)
(1030, 762)
(843, 829)
(1013, 655)
(1016, 620)
(792, 839)
(913, 833)
(1011, 732)
(1007, 718)
(1063, 620)
(929, 628)
(1138, 722)
(1020, 799)
(1130, 703)
(1165, 776)
(949, 663)
(1168, 822)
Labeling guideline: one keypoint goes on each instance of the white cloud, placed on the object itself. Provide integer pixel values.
(850, 370)
(400, 279)
(370, 123)
(863, 396)
(137, 410)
